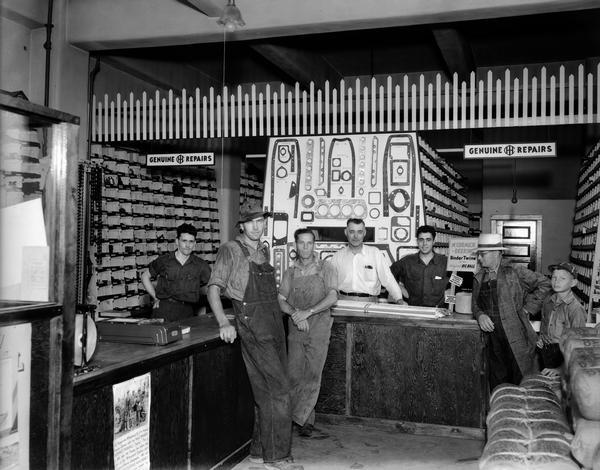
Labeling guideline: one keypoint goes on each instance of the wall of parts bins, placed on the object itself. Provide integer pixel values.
(251, 186)
(585, 246)
(141, 208)
(22, 165)
(394, 181)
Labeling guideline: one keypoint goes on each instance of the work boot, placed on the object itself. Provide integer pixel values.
(287, 464)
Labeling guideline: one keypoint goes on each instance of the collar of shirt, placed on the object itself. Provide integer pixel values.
(251, 249)
(569, 298)
(311, 264)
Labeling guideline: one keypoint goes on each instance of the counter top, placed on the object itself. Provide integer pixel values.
(118, 361)
(400, 314)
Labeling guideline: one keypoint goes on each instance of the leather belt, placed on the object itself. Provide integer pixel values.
(356, 294)
(170, 299)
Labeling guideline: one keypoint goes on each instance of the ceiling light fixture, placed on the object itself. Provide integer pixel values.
(231, 19)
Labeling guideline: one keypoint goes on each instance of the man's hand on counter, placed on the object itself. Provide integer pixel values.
(400, 302)
(227, 333)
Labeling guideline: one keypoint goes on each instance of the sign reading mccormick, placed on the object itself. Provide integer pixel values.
(504, 151)
(180, 159)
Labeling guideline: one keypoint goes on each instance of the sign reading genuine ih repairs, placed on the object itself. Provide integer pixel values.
(504, 151)
(180, 159)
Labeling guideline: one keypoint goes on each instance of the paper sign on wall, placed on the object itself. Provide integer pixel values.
(181, 159)
(504, 151)
(461, 255)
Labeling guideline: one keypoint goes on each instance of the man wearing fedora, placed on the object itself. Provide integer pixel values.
(503, 298)
(243, 273)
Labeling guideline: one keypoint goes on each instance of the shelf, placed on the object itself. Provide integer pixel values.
(429, 184)
(451, 232)
(581, 295)
(446, 218)
(587, 232)
(446, 206)
(586, 217)
(590, 201)
(440, 167)
(581, 262)
(583, 247)
(584, 279)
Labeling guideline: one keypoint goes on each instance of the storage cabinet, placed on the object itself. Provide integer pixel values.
(38, 176)
(585, 245)
(444, 194)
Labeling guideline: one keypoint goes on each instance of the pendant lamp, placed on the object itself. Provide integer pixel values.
(231, 19)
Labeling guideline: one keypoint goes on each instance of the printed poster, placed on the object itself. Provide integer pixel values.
(131, 411)
(15, 384)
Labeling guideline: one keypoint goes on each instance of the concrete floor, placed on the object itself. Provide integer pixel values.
(355, 446)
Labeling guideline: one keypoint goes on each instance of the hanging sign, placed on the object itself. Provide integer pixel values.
(181, 159)
(461, 256)
(505, 151)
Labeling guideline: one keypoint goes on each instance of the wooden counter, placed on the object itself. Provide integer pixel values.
(201, 401)
(419, 375)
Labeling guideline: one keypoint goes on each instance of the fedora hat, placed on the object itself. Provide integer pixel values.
(250, 212)
(490, 242)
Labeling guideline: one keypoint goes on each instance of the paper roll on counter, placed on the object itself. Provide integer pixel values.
(463, 303)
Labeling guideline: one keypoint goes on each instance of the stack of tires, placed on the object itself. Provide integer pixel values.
(581, 350)
(527, 428)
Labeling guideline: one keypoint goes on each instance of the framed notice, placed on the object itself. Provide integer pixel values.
(461, 254)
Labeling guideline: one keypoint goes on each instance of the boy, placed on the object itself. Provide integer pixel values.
(560, 311)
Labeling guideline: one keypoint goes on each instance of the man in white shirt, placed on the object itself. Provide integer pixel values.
(362, 269)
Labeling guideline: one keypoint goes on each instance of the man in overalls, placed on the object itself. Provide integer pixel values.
(243, 273)
(503, 299)
(308, 289)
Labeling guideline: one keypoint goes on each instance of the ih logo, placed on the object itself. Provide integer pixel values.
(180, 158)
(509, 150)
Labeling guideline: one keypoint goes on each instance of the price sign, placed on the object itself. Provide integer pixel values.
(461, 255)
(456, 280)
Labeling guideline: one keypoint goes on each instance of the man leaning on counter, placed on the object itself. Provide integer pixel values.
(362, 269)
(181, 277)
(423, 274)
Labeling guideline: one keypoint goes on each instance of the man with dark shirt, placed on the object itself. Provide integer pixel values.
(423, 274)
(180, 276)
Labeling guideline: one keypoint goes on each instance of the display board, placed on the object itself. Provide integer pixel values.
(321, 181)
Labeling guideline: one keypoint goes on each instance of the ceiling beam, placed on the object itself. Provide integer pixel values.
(300, 66)
(164, 75)
(208, 7)
(456, 52)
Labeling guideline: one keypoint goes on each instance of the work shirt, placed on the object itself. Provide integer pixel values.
(179, 282)
(559, 314)
(321, 268)
(364, 272)
(230, 271)
(426, 283)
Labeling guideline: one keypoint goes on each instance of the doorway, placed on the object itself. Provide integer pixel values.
(522, 235)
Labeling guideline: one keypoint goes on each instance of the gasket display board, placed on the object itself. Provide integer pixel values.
(322, 181)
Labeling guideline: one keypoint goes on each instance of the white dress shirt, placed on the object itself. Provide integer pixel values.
(365, 272)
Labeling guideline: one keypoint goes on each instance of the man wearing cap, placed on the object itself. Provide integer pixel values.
(181, 276)
(243, 273)
(503, 299)
(362, 269)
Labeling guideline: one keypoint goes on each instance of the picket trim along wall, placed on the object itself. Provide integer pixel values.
(374, 107)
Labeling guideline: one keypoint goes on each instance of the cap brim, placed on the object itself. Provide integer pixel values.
(254, 215)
